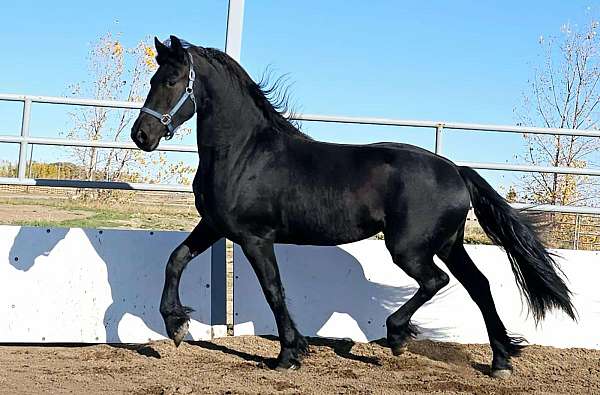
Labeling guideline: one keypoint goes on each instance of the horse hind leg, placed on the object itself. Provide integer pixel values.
(419, 265)
(503, 346)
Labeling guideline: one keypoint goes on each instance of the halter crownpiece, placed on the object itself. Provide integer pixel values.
(167, 118)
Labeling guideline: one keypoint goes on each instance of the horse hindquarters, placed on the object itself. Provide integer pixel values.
(421, 223)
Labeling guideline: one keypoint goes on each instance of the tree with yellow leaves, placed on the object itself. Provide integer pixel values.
(117, 73)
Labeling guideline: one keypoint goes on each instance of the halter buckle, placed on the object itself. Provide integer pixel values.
(165, 119)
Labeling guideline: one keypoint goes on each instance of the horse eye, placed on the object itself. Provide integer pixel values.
(171, 82)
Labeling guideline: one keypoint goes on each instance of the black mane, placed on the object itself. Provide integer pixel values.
(272, 99)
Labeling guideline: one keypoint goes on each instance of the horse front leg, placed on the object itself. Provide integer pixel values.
(175, 315)
(261, 255)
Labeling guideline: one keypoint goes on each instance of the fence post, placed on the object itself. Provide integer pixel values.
(235, 23)
(219, 291)
(30, 169)
(577, 229)
(22, 167)
(438, 138)
(218, 288)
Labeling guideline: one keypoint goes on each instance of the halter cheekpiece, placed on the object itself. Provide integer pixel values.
(167, 118)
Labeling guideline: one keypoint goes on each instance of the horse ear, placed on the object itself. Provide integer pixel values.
(162, 51)
(160, 47)
(177, 49)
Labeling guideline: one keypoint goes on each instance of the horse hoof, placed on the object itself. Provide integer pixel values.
(287, 367)
(399, 350)
(501, 373)
(180, 333)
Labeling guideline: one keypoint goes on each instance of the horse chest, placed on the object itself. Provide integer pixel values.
(213, 193)
(199, 198)
(204, 189)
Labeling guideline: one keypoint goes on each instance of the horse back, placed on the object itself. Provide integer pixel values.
(308, 192)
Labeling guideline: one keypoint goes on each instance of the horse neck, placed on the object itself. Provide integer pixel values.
(230, 117)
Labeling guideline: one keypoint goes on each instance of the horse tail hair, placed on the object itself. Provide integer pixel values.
(536, 272)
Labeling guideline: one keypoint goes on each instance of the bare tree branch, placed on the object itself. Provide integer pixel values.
(565, 92)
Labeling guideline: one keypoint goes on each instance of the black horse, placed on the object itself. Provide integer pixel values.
(261, 181)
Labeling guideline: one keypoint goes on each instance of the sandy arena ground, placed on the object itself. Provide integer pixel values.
(242, 365)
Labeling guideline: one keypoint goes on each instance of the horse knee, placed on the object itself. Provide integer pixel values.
(424, 271)
(433, 284)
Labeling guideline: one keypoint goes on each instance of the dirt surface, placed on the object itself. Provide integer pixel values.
(242, 365)
(11, 213)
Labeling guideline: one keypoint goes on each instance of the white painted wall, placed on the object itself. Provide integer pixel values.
(349, 290)
(85, 285)
(80, 285)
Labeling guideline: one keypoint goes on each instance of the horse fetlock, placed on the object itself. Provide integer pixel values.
(302, 345)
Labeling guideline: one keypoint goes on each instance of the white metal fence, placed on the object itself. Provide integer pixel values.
(25, 141)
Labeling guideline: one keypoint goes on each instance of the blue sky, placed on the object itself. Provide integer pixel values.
(464, 61)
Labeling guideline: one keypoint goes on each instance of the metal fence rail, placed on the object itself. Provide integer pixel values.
(445, 125)
(438, 127)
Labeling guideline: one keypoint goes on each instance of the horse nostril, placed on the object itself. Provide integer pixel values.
(142, 137)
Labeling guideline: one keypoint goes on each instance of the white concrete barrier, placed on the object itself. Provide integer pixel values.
(348, 291)
(86, 285)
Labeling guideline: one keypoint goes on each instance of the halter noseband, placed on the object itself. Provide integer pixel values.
(167, 118)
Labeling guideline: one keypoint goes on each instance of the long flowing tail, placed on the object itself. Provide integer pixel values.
(534, 268)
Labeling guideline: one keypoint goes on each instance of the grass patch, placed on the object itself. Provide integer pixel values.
(99, 219)
(151, 215)
(146, 213)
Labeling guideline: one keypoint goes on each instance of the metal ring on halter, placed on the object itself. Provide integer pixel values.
(167, 118)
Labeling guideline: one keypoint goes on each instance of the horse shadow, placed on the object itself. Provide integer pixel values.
(451, 353)
(329, 294)
(134, 270)
(322, 285)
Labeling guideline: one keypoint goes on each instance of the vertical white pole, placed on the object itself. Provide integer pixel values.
(24, 133)
(438, 138)
(218, 300)
(235, 24)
